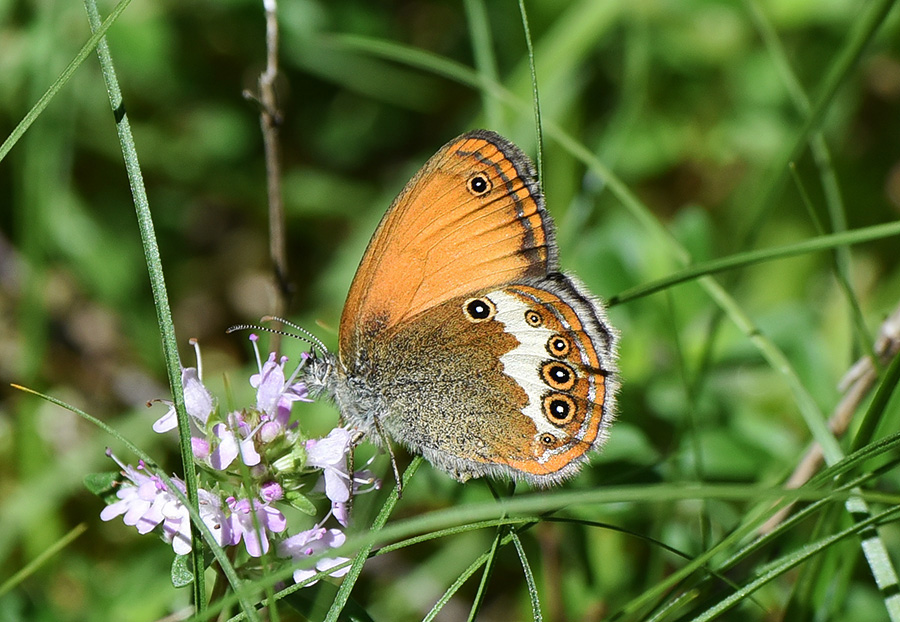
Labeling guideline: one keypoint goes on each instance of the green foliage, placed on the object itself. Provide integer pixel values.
(103, 484)
(181, 571)
(669, 127)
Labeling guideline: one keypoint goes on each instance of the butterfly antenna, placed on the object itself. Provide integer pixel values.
(304, 335)
(310, 338)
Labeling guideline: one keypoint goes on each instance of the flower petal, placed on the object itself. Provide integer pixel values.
(337, 485)
(226, 451)
(198, 401)
(168, 421)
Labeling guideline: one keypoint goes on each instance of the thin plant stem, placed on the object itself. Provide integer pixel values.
(343, 595)
(63, 79)
(270, 120)
(536, 99)
(158, 285)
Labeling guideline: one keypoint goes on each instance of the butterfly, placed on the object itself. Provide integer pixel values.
(461, 340)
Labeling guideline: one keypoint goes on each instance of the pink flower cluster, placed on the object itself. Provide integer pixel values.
(280, 463)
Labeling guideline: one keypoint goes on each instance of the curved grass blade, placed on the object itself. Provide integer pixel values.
(792, 560)
(63, 78)
(742, 260)
(489, 562)
(359, 561)
(875, 413)
(529, 579)
(31, 567)
(536, 100)
(482, 560)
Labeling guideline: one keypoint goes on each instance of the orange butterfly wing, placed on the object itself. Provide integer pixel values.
(472, 218)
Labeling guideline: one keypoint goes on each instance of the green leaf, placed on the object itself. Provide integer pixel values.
(181, 571)
(301, 502)
(104, 485)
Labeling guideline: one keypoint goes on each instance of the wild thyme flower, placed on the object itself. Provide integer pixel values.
(330, 455)
(198, 402)
(146, 502)
(255, 537)
(235, 438)
(139, 499)
(310, 542)
(278, 465)
(275, 394)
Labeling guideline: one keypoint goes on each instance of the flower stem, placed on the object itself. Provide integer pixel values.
(158, 285)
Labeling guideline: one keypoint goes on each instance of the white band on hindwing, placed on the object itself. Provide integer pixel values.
(523, 363)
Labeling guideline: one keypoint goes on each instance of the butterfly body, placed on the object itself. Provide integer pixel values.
(461, 340)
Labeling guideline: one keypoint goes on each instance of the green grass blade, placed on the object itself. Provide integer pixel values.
(467, 574)
(875, 413)
(489, 562)
(874, 548)
(359, 561)
(749, 258)
(160, 298)
(877, 556)
(451, 591)
(536, 99)
(529, 579)
(485, 60)
(61, 81)
(571, 40)
(31, 567)
(790, 561)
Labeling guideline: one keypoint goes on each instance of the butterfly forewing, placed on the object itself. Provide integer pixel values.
(471, 219)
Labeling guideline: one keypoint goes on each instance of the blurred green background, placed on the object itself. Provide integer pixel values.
(682, 100)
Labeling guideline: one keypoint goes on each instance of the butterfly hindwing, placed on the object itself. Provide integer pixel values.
(508, 382)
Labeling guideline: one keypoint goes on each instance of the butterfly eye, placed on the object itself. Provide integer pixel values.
(533, 318)
(558, 346)
(558, 375)
(479, 184)
(479, 309)
(559, 408)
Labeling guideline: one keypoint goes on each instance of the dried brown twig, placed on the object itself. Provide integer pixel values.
(856, 384)
(270, 118)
